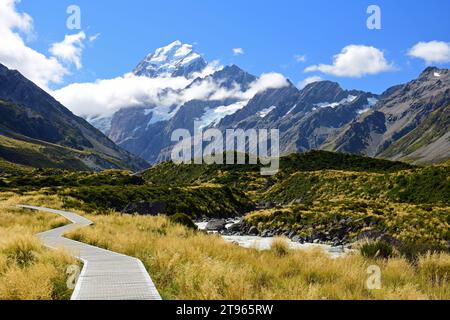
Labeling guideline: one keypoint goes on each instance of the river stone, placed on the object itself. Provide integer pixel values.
(265, 233)
(236, 227)
(216, 225)
(253, 231)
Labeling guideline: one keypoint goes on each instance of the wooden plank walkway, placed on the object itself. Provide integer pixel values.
(106, 275)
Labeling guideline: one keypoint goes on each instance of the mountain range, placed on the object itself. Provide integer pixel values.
(407, 122)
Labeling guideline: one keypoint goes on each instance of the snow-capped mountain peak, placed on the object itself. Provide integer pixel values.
(173, 60)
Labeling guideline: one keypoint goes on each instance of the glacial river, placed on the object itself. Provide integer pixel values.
(266, 243)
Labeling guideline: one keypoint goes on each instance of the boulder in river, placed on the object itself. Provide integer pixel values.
(236, 227)
(216, 225)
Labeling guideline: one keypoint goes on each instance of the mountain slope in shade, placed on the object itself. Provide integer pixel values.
(410, 122)
(29, 114)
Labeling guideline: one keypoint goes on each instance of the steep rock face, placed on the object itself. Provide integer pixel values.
(26, 111)
(229, 77)
(306, 118)
(429, 142)
(393, 127)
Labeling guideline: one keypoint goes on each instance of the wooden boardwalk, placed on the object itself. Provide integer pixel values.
(106, 275)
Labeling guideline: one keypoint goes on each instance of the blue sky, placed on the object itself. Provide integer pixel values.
(271, 33)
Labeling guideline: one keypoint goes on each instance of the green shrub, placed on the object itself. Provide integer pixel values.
(183, 219)
(378, 249)
(413, 251)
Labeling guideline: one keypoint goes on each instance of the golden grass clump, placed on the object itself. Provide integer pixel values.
(21, 249)
(280, 246)
(435, 268)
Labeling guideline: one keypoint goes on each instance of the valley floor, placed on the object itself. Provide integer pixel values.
(187, 264)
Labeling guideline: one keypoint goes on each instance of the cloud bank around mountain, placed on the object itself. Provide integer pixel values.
(104, 97)
(309, 80)
(355, 61)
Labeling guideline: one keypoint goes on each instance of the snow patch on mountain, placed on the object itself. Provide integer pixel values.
(371, 102)
(162, 113)
(290, 110)
(333, 105)
(265, 112)
(213, 116)
(101, 123)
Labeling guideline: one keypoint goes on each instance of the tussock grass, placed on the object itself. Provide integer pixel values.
(29, 271)
(435, 268)
(377, 249)
(280, 246)
(192, 265)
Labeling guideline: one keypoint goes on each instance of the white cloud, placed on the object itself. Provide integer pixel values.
(15, 54)
(266, 81)
(211, 68)
(300, 58)
(355, 61)
(238, 51)
(309, 80)
(70, 49)
(104, 97)
(94, 37)
(431, 52)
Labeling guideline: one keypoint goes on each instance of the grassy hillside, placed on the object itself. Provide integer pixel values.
(335, 197)
(419, 186)
(39, 154)
(9, 168)
(197, 202)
